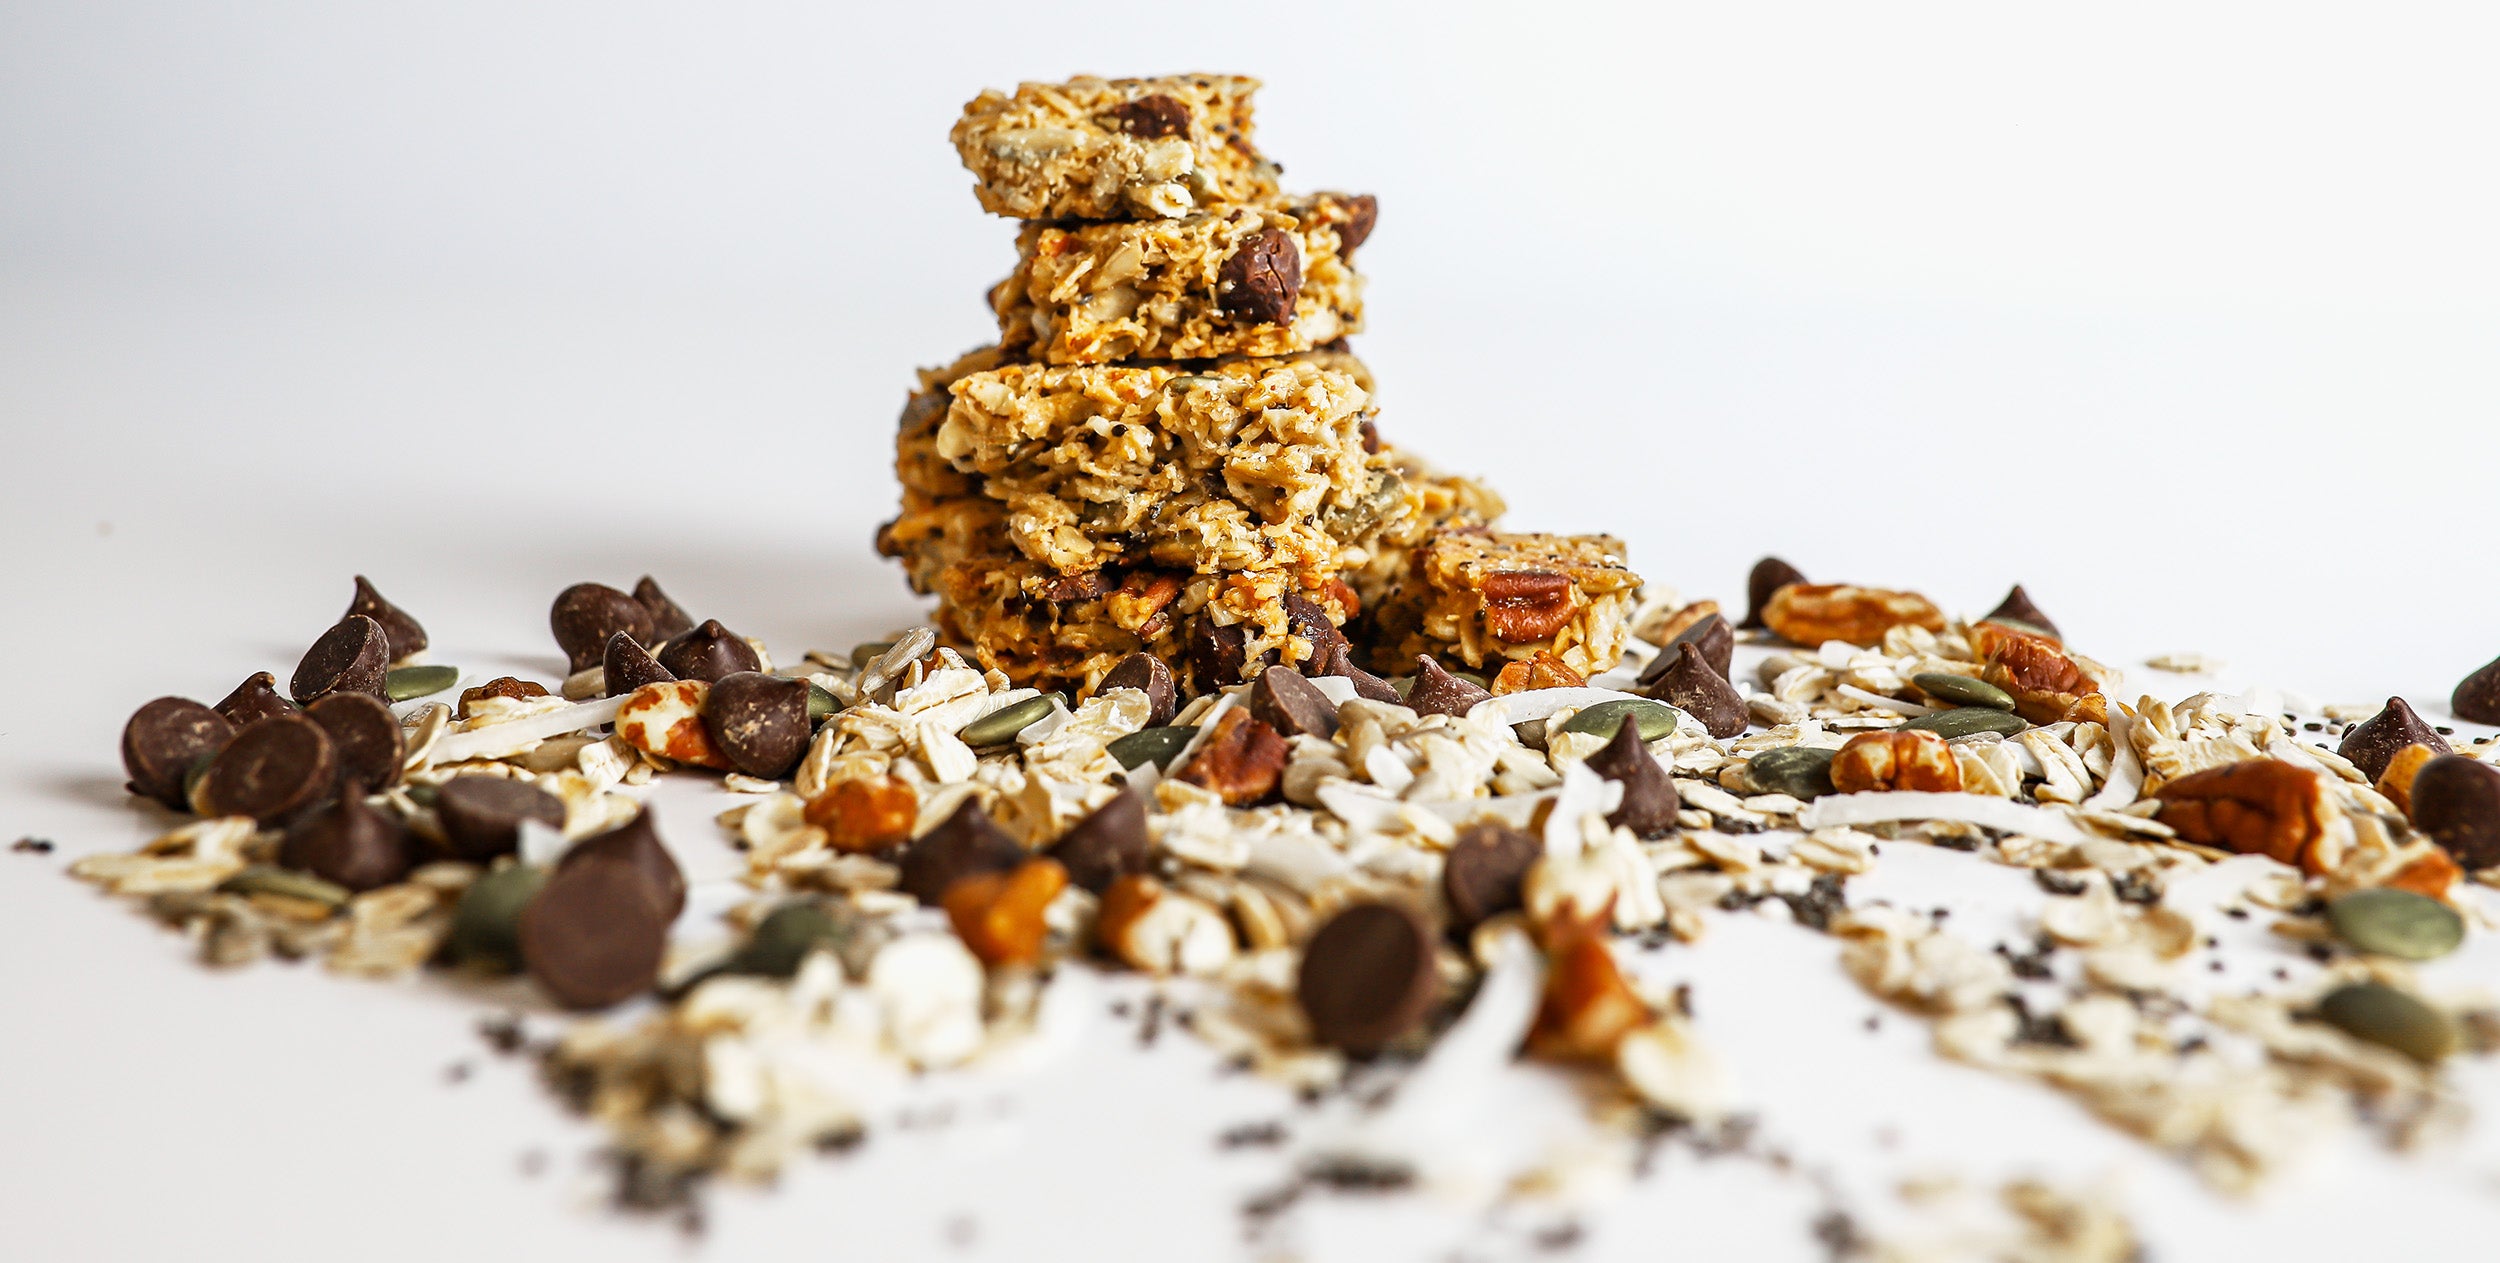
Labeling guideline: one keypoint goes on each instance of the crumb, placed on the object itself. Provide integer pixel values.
(32, 846)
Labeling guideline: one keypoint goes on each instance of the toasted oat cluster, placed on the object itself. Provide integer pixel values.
(1486, 597)
(1114, 148)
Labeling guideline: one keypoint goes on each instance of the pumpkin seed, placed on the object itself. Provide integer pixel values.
(1150, 745)
(2394, 922)
(1962, 690)
(1962, 721)
(485, 928)
(1801, 772)
(820, 704)
(423, 795)
(1001, 726)
(2389, 1018)
(407, 683)
(269, 879)
(785, 937)
(1657, 719)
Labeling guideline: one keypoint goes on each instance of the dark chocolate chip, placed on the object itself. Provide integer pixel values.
(636, 842)
(1371, 437)
(1484, 871)
(1437, 692)
(586, 614)
(1689, 685)
(403, 634)
(273, 769)
(163, 740)
(350, 843)
(1367, 977)
(709, 652)
(759, 721)
(2017, 608)
(965, 844)
(254, 699)
(1769, 575)
(1649, 798)
(482, 815)
(1339, 662)
(1151, 117)
(2375, 740)
(1107, 844)
(1147, 674)
(351, 657)
(1261, 278)
(1216, 653)
(1291, 705)
(1304, 617)
(668, 618)
(1362, 215)
(592, 937)
(1716, 640)
(2477, 699)
(364, 735)
(2456, 800)
(628, 666)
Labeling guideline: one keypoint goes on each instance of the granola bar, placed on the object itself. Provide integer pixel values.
(1114, 148)
(1263, 280)
(1480, 596)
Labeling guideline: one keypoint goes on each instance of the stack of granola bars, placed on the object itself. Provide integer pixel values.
(1170, 448)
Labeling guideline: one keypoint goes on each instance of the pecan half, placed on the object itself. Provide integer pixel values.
(865, 813)
(1912, 760)
(1066, 588)
(2046, 685)
(1241, 761)
(1544, 671)
(1523, 605)
(2256, 807)
(1808, 614)
(1150, 117)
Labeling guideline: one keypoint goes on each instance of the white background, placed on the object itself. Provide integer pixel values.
(2184, 316)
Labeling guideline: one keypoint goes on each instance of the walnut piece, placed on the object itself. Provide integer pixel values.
(1242, 760)
(1912, 760)
(2046, 685)
(2255, 807)
(1807, 614)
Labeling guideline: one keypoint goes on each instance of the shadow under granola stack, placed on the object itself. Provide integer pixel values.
(1170, 448)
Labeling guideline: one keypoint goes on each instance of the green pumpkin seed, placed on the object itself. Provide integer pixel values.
(1001, 726)
(1962, 690)
(1150, 745)
(1657, 719)
(486, 927)
(2391, 1019)
(785, 937)
(820, 704)
(2392, 922)
(401, 684)
(1962, 721)
(1801, 772)
(269, 879)
(423, 795)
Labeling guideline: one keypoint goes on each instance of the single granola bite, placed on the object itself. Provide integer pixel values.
(1264, 280)
(1114, 148)
(1484, 597)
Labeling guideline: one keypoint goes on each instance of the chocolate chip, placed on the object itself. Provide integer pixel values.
(511, 686)
(965, 844)
(2477, 699)
(1147, 674)
(1437, 692)
(586, 614)
(1367, 977)
(628, 666)
(1689, 685)
(1291, 705)
(273, 768)
(351, 657)
(1107, 844)
(1362, 213)
(1339, 662)
(759, 721)
(482, 815)
(1216, 653)
(1261, 278)
(364, 735)
(253, 700)
(2375, 740)
(349, 843)
(668, 618)
(1769, 575)
(404, 635)
(1649, 798)
(636, 843)
(1712, 635)
(163, 740)
(1484, 871)
(1305, 618)
(591, 937)
(2456, 800)
(1371, 437)
(1068, 589)
(1151, 117)
(2017, 608)
(709, 652)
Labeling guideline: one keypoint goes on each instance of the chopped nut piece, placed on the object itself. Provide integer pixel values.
(1544, 671)
(2255, 807)
(1911, 760)
(1808, 614)
(1588, 1008)
(2397, 781)
(667, 720)
(865, 813)
(1242, 760)
(999, 915)
(1160, 931)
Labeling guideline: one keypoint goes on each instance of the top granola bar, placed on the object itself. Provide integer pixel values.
(1114, 148)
